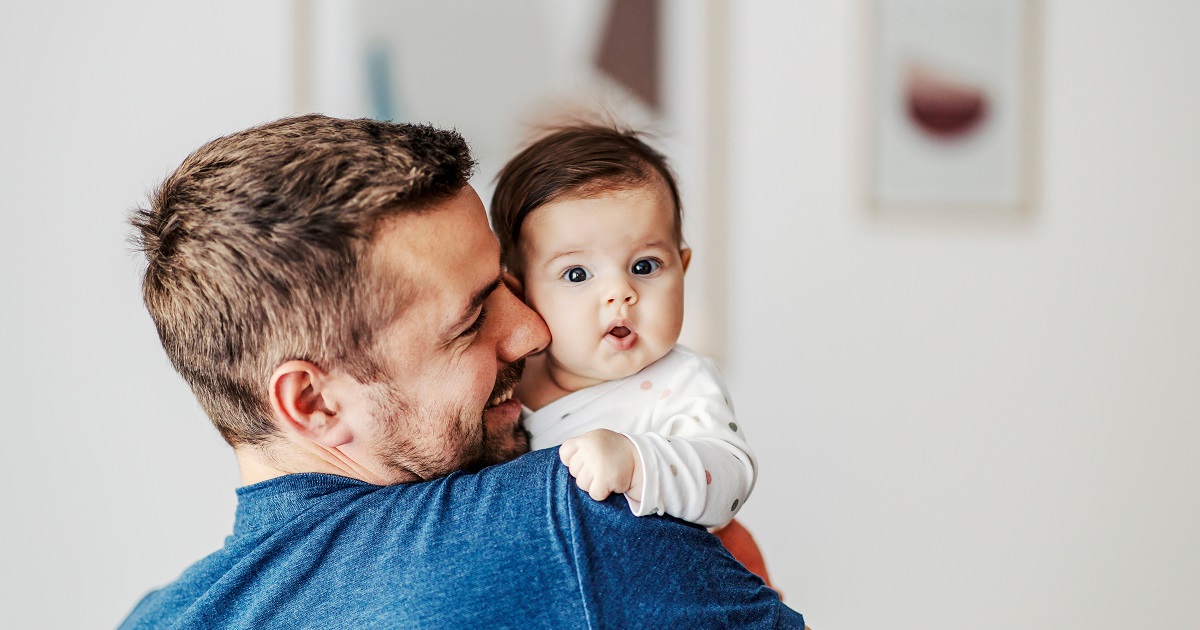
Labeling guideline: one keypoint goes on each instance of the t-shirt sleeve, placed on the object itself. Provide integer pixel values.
(662, 571)
(695, 460)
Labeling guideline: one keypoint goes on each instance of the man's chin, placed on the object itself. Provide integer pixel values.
(500, 445)
(493, 454)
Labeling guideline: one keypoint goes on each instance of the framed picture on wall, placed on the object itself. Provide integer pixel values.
(951, 104)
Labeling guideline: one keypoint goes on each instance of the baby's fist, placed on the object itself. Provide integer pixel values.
(603, 462)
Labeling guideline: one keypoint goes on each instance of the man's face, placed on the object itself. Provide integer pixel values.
(453, 355)
(606, 273)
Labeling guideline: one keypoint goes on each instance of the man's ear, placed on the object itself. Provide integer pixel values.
(305, 403)
(685, 254)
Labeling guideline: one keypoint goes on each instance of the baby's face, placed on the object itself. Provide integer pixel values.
(607, 276)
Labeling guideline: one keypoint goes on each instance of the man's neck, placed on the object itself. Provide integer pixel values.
(288, 458)
(253, 469)
(257, 465)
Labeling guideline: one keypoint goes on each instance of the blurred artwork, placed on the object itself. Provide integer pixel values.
(629, 51)
(492, 70)
(941, 105)
(949, 107)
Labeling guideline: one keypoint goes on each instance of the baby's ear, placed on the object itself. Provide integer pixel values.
(685, 254)
(514, 284)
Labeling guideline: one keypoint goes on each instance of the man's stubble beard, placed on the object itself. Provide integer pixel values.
(502, 445)
(462, 443)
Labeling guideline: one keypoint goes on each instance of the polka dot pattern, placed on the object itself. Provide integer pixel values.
(674, 471)
(647, 385)
(735, 504)
(733, 427)
(708, 477)
(666, 392)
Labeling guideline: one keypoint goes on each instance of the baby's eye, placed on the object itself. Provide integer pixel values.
(577, 274)
(646, 266)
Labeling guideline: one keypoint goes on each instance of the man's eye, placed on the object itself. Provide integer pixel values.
(476, 325)
(646, 266)
(577, 275)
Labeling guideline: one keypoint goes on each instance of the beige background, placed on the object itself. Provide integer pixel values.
(962, 423)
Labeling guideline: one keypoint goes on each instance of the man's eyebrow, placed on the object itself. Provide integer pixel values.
(477, 299)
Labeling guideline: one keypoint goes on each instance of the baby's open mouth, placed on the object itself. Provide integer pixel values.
(621, 337)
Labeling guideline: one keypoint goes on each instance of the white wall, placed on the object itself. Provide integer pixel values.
(961, 425)
(114, 481)
(974, 424)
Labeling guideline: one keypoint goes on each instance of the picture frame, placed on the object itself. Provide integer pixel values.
(951, 106)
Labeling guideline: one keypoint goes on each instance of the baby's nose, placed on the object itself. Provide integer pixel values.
(622, 293)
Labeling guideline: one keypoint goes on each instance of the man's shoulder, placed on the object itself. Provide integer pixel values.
(516, 492)
(391, 548)
(528, 474)
(540, 477)
(628, 567)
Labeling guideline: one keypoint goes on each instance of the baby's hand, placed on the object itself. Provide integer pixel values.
(603, 462)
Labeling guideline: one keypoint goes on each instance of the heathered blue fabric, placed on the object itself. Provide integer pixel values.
(515, 546)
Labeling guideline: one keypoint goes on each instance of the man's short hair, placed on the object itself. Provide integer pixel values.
(258, 252)
(574, 161)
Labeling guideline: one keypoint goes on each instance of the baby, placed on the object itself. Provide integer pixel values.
(589, 223)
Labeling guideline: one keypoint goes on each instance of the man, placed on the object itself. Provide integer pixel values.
(332, 293)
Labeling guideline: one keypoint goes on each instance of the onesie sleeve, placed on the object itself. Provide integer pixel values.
(696, 463)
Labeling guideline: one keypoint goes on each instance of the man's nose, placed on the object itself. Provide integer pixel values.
(523, 331)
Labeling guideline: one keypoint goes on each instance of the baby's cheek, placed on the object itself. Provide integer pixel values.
(562, 328)
(564, 316)
(565, 339)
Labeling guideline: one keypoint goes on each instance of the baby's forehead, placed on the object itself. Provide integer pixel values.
(652, 194)
(638, 210)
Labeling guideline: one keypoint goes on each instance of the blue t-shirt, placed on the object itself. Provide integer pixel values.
(516, 545)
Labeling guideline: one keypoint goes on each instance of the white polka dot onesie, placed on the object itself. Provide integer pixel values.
(693, 453)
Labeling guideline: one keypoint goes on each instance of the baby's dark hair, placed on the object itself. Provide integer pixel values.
(575, 161)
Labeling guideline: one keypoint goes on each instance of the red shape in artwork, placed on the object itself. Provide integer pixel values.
(941, 105)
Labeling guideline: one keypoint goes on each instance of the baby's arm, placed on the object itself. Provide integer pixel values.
(703, 481)
(690, 461)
